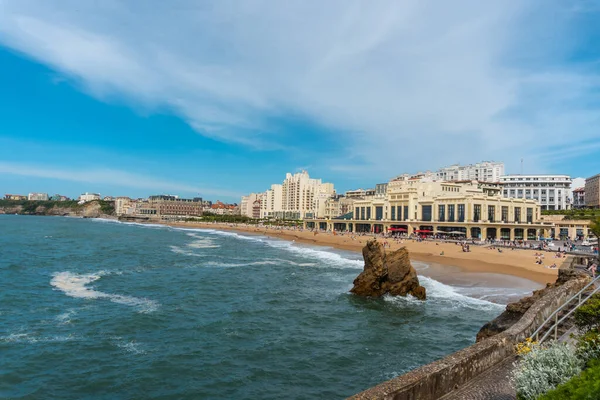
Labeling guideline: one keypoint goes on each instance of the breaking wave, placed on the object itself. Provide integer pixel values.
(445, 297)
(75, 285)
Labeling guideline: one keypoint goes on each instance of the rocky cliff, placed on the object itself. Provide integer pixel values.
(387, 273)
(92, 209)
(514, 311)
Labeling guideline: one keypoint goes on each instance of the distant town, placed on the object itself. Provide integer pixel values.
(473, 201)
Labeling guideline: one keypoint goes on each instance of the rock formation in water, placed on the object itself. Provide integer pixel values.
(514, 311)
(387, 273)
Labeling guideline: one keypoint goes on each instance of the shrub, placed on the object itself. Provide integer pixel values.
(583, 387)
(587, 317)
(588, 346)
(544, 368)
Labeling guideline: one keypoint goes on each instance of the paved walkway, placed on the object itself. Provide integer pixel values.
(493, 384)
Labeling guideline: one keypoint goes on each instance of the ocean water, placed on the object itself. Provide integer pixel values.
(93, 309)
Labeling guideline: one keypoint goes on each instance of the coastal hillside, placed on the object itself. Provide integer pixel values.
(91, 209)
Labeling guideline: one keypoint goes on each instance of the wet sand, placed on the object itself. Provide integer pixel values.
(518, 262)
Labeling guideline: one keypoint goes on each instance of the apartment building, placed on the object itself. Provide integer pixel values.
(592, 192)
(485, 171)
(579, 197)
(85, 197)
(552, 192)
(37, 196)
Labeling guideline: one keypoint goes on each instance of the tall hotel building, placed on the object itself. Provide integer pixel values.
(552, 192)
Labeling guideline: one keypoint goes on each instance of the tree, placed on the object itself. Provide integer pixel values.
(595, 227)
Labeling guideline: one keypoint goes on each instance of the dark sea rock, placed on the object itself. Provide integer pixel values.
(387, 273)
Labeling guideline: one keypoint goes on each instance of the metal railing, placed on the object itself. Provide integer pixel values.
(580, 300)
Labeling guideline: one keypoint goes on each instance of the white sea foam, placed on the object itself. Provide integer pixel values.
(328, 258)
(75, 285)
(243, 264)
(130, 347)
(201, 242)
(65, 318)
(445, 296)
(29, 338)
(179, 250)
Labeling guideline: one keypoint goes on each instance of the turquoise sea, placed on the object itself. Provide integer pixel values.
(95, 309)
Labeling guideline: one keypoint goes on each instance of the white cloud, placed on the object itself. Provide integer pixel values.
(108, 177)
(410, 85)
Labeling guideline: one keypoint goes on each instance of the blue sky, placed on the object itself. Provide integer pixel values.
(223, 98)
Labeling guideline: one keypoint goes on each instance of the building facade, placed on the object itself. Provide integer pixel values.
(247, 205)
(299, 196)
(485, 171)
(272, 202)
(579, 197)
(85, 197)
(37, 196)
(461, 209)
(592, 192)
(15, 197)
(552, 192)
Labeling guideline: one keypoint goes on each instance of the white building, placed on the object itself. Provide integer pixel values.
(85, 197)
(302, 194)
(247, 204)
(298, 196)
(552, 192)
(485, 171)
(271, 204)
(37, 196)
(124, 206)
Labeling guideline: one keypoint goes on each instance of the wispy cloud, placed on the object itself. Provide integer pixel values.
(412, 83)
(108, 177)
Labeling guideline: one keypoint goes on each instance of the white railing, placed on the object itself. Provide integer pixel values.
(580, 301)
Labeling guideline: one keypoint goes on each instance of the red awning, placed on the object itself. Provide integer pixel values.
(423, 231)
(397, 229)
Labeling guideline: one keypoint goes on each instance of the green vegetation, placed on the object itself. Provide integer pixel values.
(587, 317)
(583, 387)
(42, 207)
(242, 219)
(595, 227)
(107, 207)
(575, 214)
(555, 371)
(544, 368)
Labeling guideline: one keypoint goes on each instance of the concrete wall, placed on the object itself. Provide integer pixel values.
(434, 380)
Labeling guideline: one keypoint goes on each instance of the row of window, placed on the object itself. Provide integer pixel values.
(446, 213)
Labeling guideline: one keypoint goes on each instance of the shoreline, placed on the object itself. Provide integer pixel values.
(518, 262)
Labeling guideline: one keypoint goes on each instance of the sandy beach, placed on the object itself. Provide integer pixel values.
(481, 259)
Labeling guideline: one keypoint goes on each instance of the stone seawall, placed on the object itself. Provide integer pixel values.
(434, 380)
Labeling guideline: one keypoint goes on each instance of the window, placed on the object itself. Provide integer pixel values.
(450, 212)
(529, 214)
(406, 213)
(426, 213)
(399, 212)
(362, 213)
(491, 213)
(461, 213)
(504, 213)
(368, 212)
(393, 213)
(357, 213)
(441, 212)
(476, 212)
(379, 213)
